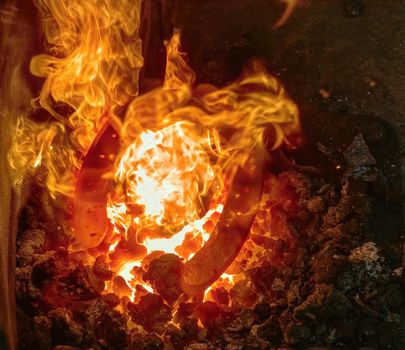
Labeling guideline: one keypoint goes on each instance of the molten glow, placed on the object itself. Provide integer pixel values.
(179, 150)
(193, 229)
(165, 174)
(181, 144)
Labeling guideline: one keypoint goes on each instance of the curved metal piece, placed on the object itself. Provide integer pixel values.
(93, 187)
(90, 219)
(237, 218)
(208, 264)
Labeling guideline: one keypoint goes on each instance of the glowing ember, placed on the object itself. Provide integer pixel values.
(181, 145)
(177, 243)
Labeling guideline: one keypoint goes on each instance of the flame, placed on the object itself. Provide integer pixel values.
(181, 144)
(35, 147)
(165, 173)
(289, 9)
(176, 243)
(91, 66)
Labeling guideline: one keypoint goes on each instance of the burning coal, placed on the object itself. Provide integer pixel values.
(173, 218)
(183, 170)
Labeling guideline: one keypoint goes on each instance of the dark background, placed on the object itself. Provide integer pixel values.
(342, 61)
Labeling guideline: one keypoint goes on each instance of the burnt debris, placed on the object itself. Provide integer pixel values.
(323, 282)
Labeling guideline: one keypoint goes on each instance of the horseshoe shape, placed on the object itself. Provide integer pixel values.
(211, 261)
(232, 230)
(92, 188)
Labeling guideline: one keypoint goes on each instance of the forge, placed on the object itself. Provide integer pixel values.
(202, 175)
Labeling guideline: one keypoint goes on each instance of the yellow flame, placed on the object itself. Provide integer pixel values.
(180, 145)
(91, 66)
(38, 146)
(171, 245)
(165, 173)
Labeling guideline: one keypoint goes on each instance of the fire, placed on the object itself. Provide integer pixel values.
(164, 175)
(289, 9)
(175, 244)
(91, 66)
(181, 144)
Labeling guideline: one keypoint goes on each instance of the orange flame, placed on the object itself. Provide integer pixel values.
(165, 173)
(289, 9)
(92, 63)
(181, 143)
